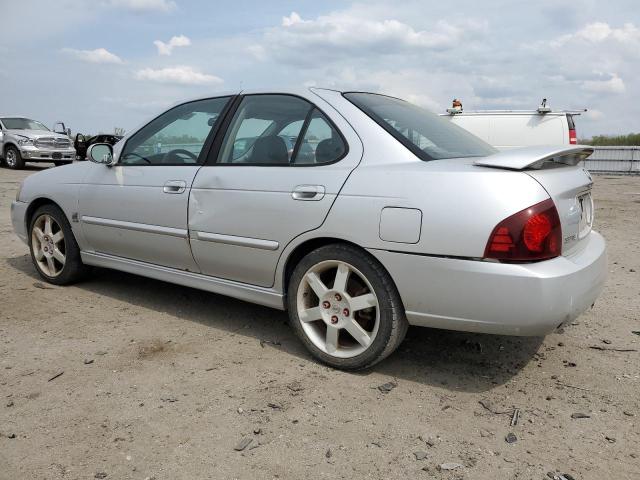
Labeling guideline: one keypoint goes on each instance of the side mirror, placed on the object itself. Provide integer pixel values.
(101, 153)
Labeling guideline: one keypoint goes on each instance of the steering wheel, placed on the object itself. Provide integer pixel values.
(170, 155)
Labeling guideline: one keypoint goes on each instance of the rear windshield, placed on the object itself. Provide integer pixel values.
(22, 124)
(426, 134)
(572, 125)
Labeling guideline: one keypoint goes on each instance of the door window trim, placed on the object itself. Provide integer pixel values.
(212, 158)
(206, 146)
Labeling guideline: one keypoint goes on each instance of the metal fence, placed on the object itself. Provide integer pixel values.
(620, 160)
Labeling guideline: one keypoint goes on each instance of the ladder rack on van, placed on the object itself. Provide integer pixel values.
(541, 111)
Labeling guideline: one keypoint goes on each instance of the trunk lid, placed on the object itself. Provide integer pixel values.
(569, 185)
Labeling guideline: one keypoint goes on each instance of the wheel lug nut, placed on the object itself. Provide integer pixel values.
(338, 297)
(334, 319)
(346, 312)
(326, 304)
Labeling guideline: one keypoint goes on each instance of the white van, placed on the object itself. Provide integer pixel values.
(505, 129)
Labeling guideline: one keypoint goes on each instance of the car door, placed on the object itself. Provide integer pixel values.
(137, 209)
(273, 176)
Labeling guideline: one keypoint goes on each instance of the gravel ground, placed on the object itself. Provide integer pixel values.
(161, 381)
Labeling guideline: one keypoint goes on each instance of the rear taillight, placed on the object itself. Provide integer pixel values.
(573, 139)
(529, 235)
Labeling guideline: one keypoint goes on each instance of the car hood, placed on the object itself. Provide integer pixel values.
(36, 133)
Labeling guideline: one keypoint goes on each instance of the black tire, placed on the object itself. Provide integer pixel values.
(60, 163)
(392, 320)
(12, 158)
(73, 269)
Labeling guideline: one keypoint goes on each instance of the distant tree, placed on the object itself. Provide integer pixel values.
(632, 139)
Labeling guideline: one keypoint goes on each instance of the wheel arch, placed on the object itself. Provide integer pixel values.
(7, 144)
(307, 246)
(34, 205)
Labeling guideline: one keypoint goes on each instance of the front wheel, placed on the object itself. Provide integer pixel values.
(54, 250)
(12, 158)
(345, 307)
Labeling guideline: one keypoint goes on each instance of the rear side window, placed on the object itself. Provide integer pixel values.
(321, 142)
(426, 134)
(280, 130)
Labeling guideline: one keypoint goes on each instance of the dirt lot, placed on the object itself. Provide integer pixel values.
(161, 381)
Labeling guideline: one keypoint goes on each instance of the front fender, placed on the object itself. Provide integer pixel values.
(61, 186)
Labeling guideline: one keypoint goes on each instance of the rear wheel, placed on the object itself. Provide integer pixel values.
(12, 158)
(345, 308)
(54, 250)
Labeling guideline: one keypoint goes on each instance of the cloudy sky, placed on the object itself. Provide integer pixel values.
(113, 63)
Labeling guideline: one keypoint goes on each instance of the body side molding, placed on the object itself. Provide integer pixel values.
(138, 227)
(235, 240)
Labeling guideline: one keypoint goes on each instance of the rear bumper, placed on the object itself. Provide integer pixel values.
(507, 299)
(18, 212)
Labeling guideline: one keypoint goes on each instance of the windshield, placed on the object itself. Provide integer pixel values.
(22, 124)
(427, 135)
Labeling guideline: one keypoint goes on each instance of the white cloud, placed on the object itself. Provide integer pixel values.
(176, 41)
(594, 32)
(613, 85)
(163, 6)
(99, 55)
(183, 75)
(598, 32)
(347, 33)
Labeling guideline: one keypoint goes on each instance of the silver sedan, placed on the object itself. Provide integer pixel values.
(358, 213)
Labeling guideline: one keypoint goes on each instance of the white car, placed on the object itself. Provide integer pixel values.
(380, 216)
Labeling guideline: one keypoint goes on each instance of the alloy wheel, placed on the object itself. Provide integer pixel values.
(10, 158)
(48, 243)
(338, 309)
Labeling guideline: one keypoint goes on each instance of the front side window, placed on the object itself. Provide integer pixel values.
(176, 137)
(23, 124)
(426, 134)
(280, 130)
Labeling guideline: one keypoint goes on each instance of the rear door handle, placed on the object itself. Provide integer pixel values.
(175, 186)
(308, 192)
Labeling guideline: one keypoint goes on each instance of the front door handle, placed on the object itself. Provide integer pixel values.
(175, 186)
(308, 192)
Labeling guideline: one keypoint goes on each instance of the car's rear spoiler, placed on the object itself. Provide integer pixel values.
(535, 157)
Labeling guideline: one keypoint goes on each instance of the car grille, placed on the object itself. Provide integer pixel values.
(50, 142)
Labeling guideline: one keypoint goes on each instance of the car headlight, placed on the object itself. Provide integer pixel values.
(25, 141)
(19, 192)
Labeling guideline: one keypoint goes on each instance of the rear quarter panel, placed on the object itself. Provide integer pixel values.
(460, 204)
